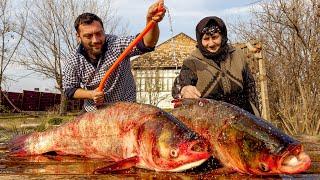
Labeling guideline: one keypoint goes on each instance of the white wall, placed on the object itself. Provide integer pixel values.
(154, 79)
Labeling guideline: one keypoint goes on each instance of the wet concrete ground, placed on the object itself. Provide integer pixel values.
(72, 167)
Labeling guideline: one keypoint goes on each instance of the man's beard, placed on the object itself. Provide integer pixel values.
(92, 51)
(95, 52)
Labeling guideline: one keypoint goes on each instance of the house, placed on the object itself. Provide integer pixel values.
(155, 72)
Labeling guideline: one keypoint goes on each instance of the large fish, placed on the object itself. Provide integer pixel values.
(242, 141)
(131, 134)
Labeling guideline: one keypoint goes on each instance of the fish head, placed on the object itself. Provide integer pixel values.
(240, 140)
(165, 144)
(254, 146)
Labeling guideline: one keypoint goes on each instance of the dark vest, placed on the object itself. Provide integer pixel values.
(221, 82)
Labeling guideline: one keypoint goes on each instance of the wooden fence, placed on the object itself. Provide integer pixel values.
(35, 101)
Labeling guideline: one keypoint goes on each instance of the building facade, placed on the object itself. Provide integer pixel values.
(155, 72)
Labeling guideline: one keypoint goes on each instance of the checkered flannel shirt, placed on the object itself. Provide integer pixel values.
(78, 72)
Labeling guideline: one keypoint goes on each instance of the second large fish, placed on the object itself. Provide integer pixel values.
(242, 141)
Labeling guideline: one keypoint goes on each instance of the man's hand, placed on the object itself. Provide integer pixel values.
(97, 97)
(190, 92)
(156, 12)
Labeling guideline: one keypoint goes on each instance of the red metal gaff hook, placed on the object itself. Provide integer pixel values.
(149, 26)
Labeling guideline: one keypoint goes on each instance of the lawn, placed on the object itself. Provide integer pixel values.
(12, 125)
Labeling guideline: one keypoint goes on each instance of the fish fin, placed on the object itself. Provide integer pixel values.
(120, 165)
(16, 146)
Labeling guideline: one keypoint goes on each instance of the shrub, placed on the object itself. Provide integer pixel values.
(55, 121)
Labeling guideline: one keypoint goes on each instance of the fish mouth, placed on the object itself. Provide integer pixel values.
(188, 166)
(193, 154)
(199, 147)
(295, 161)
(198, 152)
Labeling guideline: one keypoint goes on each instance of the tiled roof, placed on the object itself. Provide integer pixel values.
(174, 51)
(167, 55)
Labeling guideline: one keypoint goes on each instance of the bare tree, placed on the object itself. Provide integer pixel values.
(50, 36)
(151, 87)
(290, 33)
(12, 28)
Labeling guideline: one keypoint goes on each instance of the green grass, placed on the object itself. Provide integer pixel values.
(12, 125)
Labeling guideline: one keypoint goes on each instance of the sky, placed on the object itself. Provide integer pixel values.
(184, 15)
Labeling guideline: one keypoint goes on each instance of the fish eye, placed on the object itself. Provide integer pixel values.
(174, 153)
(264, 167)
(201, 104)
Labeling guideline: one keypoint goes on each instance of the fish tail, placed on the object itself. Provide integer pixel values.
(17, 146)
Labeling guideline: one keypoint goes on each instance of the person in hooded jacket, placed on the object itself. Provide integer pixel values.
(216, 70)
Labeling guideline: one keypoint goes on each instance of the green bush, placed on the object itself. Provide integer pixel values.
(55, 121)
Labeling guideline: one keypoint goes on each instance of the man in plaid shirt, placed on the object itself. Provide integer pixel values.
(97, 51)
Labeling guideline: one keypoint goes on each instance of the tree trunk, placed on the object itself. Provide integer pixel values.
(0, 96)
(63, 104)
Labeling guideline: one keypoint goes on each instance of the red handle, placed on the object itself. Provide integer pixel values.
(149, 26)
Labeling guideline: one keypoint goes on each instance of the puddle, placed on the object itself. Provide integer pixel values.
(74, 167)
